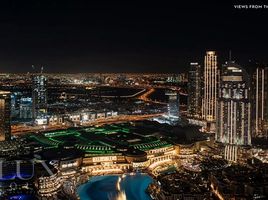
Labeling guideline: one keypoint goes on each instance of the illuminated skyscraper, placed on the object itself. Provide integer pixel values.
(173, 106)
(209, 103)
(233, 126)
(39, 96)
(194, 90)
(260, 99)
(5, 112)
(26, 105)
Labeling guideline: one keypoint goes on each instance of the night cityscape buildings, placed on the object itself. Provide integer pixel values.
(233, 126)
(194, 91)
(136, 102)
(39, 96)
(112, 127)
(234, 106)
(260, 99)
(173, 106)
(26, 108)
(211, 81)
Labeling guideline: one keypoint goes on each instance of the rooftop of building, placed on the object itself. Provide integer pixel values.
(62, 154)
(104, 139)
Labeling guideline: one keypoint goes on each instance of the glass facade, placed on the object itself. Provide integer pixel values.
(39, 96)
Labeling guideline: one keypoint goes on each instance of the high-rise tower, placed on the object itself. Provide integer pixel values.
(209, 101)
(194, 91)
(39, 95)
(173, 106)
(5, 112)
(260, 99)
(233, 125)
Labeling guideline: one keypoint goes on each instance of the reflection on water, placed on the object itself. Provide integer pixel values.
(114, 187)
(121, 196)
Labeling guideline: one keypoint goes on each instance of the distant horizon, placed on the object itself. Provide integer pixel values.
(178, 69)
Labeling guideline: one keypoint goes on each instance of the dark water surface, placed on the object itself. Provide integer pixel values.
(110, 186)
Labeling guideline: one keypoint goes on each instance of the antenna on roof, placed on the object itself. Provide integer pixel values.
(230, 55)
(42, 68)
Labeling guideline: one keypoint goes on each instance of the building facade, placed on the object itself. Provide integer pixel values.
(39, 96)
(5, 112)
(233, 124)
(173, 106)
(194, 91)
(260, 97)
(26, 108)
(209, 101)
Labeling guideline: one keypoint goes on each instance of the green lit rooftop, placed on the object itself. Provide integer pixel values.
(98, 140)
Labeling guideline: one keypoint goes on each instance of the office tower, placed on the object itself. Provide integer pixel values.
(173, 79)
(209, 103)
(39, 96)
(182, 78)
(194, 91)
(173, 106)
(5, 112)
(260, 99)
(26, 108)
(13, 104)
(233, 125)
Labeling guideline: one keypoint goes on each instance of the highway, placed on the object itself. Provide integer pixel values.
(180, 90)
(123, 96)
(145, 97)
(23, 129)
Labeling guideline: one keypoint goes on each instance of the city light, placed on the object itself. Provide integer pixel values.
(117, 100)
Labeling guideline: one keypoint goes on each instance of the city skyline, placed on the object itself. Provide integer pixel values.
(86, 129)
(133, 100)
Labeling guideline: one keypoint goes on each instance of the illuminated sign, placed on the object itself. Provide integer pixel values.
(104, 159)
(232, 78)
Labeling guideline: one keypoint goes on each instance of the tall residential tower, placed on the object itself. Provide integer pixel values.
(194, 91)
(260, 99)
(209, 101)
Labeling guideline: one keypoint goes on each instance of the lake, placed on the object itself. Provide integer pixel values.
(116, 187)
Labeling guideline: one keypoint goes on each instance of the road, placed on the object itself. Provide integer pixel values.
(23, 129)
(180, 90)
(146, 95)
(123, 96)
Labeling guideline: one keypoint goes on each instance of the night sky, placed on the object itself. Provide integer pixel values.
(126, 36)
